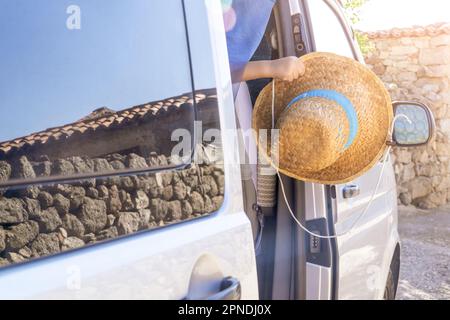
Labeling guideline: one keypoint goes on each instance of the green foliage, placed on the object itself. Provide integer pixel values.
(364, 43)
(352, 8)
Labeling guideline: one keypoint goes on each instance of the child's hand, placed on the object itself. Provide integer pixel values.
(287, 69)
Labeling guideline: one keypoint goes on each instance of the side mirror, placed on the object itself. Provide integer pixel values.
(415, 126)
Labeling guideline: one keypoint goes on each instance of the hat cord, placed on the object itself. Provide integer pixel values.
(273, 104)
(364, 212)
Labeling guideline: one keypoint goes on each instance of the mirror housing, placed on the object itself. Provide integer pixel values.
(416, 125)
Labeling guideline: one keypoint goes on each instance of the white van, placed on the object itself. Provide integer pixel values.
(98, 207)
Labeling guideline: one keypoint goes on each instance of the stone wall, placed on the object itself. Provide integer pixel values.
(415, 66)
(41, 220)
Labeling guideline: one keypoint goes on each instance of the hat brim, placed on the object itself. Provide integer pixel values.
(368, 96)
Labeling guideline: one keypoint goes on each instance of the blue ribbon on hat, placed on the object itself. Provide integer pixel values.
(340, 99)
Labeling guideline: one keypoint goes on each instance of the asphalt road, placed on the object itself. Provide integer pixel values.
(425, 255)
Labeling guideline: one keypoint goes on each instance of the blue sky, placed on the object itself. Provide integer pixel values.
(51, 75)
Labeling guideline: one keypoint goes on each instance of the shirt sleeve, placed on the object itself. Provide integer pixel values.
(245, 24)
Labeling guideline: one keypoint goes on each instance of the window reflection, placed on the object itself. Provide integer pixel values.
(101, 99)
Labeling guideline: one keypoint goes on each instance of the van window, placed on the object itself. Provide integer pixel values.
(86, 82)
(94, 97)
(329, 34)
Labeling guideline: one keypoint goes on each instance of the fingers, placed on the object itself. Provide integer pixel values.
(290, 77)
(289, 68)
(293, 77)
(301, 68)
(296, 70)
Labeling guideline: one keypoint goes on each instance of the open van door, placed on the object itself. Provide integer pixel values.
(365, 253)
(354, 265)
(304, 266)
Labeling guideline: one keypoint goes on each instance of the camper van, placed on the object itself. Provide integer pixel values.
(119, 176)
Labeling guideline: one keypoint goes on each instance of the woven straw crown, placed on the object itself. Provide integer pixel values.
(333, 122)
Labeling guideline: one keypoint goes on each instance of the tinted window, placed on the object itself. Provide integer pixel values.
(77, 80)
(120, 58)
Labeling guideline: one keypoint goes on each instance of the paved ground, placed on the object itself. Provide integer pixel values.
(425, 264)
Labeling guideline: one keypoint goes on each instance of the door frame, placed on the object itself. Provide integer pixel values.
(301, 190)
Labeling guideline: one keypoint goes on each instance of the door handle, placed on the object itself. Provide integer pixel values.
(230, 289)
(351, 191)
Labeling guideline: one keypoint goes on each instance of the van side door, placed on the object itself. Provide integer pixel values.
(130, 193)
(364, 255)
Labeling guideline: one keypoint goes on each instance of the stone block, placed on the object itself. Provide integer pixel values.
(407, 76)
(437, 71)
(422, 42)
(427, 170)
(434, 200)
(442, 40)
(444, 125)
(445, 184)
(408, 173)
(420, 187)
(442, 150)
(404, 50)
(403, 156)
(435, 56)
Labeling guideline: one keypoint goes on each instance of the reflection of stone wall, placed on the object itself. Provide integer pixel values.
(42, 220)
(415, 65)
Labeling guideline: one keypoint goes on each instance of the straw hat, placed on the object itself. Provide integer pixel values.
(334, 122)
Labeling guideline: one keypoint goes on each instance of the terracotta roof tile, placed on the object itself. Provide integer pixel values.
(415, 31)
(94, 122)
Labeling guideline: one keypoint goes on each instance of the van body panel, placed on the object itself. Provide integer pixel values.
(365, 253)
(318, 290)
(154, 265)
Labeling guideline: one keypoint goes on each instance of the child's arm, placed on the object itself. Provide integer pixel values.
(287, 69)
